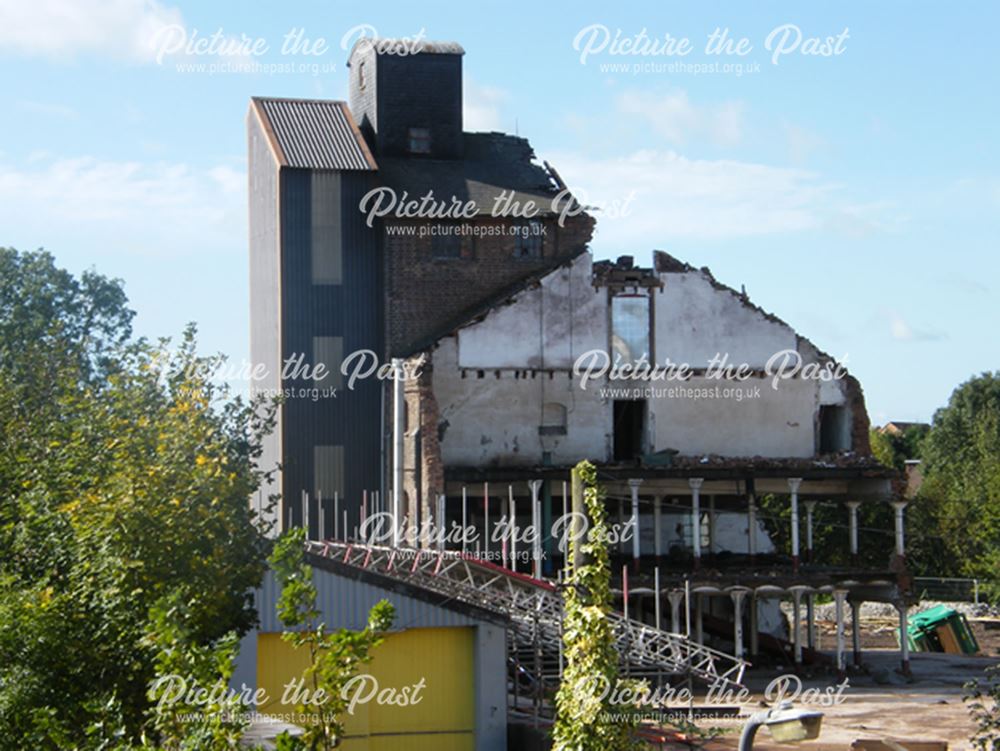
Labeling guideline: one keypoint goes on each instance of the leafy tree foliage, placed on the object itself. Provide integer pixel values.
(983, 700)
(125, 474)
(961, 489)
(893, 449)
(831, 531)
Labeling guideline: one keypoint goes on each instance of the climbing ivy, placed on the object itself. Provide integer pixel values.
(586, 719)
(334, 656)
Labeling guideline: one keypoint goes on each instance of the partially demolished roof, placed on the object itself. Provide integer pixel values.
(494, 165)
(479, 311)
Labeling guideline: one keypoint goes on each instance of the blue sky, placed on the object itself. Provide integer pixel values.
(856, 195)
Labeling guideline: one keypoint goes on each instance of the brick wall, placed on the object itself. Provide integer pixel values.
(423, 470)
(424, 295)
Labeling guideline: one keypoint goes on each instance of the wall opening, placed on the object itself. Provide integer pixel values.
(834, 429)
(630, 328)
(629, 428)
(553, 419)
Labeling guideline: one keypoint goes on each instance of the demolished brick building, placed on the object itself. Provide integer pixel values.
(497, 325)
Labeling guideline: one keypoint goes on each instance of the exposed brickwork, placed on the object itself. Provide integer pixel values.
(425, 295)
(423, 468)
(860, 424)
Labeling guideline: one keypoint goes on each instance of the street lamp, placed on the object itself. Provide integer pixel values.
(787, 725)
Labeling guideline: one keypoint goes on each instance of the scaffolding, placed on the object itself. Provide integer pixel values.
(534, 609)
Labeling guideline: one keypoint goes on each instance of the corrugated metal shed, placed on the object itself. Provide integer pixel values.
(314, 134)
(345, 602)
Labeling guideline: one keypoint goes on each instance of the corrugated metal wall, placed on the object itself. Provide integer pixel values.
(428, 641)
(346, 603)
(351, 310)
(440, 661)
(265, 278)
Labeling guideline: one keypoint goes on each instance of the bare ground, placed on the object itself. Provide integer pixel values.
(879, 702)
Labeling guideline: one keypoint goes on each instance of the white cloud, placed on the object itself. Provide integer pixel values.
(63, 29)
(900, 330)
(673, 196)
(481, 106)
(123, 206)
(679, 120)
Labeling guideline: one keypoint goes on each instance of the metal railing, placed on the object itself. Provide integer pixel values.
(947, 589)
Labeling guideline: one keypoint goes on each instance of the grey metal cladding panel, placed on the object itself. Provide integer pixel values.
(315, 134)
(344, 603)
(264, 280)
(351, 310)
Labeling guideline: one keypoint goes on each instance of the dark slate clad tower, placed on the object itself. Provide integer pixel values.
(408, 103)
(316, 295)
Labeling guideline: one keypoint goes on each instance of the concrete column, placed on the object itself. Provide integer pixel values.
(738, 596)
(398, 416)
(695, 484)
(752, 526)
(754, 630)
(536, 523)
(465, 518)
(900, 538)
(856, 631)
(633, 486)
(852, 511)
(676, 598)
(810, 510)
(439, 522)
(699, 606)
(838, 597)
(510, 543)
(711, 525)
(621, 525)
(904, 642)
(793, 488)
(657, 532)
(810, 621)
(796, 624)
(656, 588)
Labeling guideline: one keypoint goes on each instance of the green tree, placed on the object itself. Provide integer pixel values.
(125, 474)
(961, 488)
(894, 449)
(334, 656)
(586, 717)
(831, 535)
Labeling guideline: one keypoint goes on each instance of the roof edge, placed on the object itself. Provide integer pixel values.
(266, 127)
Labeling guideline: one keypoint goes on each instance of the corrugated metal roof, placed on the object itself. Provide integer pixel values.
(315, 134)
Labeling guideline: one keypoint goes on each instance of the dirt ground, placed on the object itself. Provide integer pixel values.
(879, 702)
